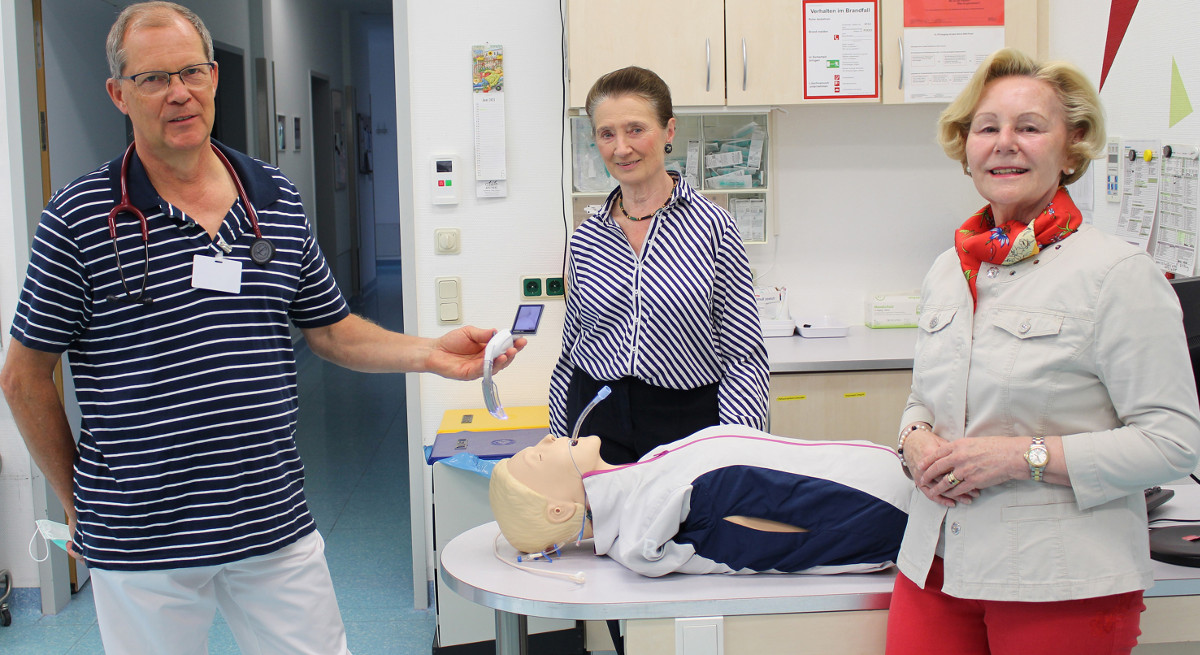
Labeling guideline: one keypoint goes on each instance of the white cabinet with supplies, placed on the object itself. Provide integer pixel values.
(724, 155)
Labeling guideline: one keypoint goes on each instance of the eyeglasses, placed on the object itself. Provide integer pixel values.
(196, 76)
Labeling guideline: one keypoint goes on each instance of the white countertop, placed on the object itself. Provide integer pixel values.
(863, 349)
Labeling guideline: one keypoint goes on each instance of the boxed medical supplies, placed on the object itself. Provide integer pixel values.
(892, 310)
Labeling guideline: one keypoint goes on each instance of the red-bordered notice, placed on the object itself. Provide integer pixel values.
(841, 49)
(953, 13)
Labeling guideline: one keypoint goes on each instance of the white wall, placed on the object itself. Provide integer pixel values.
(16, 485)
(502, 238)
(1136, 94)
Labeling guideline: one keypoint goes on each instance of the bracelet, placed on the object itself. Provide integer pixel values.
(904, 435)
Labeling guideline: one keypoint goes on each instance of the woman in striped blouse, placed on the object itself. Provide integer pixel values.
(660, 305)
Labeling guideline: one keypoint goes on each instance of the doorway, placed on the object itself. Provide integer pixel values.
(230, 122)
(336, 237)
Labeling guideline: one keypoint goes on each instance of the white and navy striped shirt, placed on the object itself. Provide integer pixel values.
(186, 451)
(679, 316)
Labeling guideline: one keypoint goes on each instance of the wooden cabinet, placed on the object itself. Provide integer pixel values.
(683, 43)
(1025, 23)
(839, 405)
(764, 54)
(710, 52)
(741, 52)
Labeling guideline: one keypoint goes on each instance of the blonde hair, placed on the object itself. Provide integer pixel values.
(1075, 92)
(522, 513)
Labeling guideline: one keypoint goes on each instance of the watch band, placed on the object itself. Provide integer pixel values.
(1037, 452)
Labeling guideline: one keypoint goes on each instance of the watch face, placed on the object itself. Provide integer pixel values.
(1038, 456)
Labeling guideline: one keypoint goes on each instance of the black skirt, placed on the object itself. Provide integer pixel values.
(638, 417)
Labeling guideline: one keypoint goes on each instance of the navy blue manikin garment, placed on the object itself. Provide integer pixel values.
(844, 525)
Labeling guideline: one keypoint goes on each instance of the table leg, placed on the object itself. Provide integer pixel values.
(511, 632)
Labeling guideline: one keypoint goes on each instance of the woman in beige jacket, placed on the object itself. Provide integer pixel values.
(1050, 386)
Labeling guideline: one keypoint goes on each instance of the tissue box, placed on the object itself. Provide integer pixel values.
(772, 303)
(893, 310)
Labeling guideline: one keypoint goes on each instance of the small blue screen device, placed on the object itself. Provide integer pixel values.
(528, 317)
(526, 322)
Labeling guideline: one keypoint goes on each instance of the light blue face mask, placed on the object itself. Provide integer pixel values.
(51, 532)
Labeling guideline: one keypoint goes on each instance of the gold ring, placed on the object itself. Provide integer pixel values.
(952, 480)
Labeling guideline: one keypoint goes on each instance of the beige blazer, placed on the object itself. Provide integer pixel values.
(1083, 341)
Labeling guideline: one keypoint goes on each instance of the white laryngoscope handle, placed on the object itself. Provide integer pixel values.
(498, 345)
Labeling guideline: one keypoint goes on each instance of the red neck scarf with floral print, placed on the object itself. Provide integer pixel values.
(981, 240)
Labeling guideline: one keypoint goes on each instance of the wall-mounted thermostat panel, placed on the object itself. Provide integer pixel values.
(445, 179)
(1112, 180)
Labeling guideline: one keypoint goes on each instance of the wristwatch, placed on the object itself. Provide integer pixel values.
(1037, 456)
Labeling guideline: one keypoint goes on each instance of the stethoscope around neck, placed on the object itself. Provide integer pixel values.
(261, 251)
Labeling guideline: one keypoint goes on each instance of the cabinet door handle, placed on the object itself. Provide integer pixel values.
(707, 65)
(901, 85)
(744, 64)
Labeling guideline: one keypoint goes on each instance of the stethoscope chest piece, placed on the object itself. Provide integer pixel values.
(262, 251)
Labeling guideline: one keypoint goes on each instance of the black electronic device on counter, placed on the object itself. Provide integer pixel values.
(1156, 496)
(1178, 544)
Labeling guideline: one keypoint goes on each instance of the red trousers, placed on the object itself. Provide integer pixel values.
(923, 621)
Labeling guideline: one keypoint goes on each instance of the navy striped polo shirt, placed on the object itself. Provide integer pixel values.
(679, 316)
(187, 454)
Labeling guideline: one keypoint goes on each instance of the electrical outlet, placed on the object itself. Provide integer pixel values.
(531, 286)
(555, 286)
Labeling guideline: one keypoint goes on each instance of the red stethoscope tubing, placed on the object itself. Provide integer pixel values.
(126, 206)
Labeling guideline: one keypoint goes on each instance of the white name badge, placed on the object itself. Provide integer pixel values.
(216, 274)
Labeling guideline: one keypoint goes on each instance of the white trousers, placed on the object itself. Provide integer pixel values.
(282, 602)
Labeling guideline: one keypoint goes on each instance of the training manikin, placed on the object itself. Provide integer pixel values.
(727, 499)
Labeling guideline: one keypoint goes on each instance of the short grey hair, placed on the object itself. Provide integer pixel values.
(149, 14)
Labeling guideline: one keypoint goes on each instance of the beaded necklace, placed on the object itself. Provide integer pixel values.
(621, 203)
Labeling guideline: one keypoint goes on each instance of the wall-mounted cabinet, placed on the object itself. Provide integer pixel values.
(743, 53)
(1024, 28)
(683, 43)
(712, 52)
(724, 155)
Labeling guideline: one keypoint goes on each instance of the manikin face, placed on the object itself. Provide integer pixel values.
(630, 139)
(1017, 147)
(547, 467)
(179, 118)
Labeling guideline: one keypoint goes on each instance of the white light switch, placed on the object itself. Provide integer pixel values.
(449, 299)
(447, 241)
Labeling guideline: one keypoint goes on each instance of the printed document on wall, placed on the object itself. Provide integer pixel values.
(939, 61)
(1178, 200)
(841, 52)
(1139, 197)
(487, 82)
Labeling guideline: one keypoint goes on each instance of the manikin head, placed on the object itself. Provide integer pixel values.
(537, 495)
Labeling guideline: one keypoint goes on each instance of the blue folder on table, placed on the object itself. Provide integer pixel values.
(484, 445)
(486, 437)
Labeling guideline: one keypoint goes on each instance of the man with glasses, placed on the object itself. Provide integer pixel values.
(185, 493)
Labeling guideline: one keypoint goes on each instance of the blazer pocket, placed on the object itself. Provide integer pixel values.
(1027, 325)
(935, 320)
(1043, 512)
